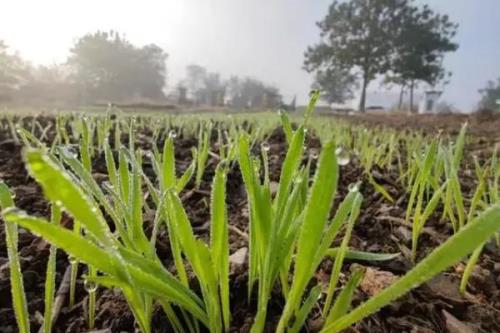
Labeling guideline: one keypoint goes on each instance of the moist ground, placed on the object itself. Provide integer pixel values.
(434, 307)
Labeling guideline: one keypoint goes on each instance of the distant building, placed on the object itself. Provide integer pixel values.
(429, 101)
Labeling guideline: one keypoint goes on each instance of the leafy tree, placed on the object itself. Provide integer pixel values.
(375, 37)
(420, 44)
(109, 67)
(249, 92)
(214, 90)
(356, 36)
(13, 72)
(195, 82)
(337, 85)
(208, 88)
(48, 85)
(490, 95)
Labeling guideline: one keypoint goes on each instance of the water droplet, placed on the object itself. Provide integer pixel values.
(72, 260)
(353, 187)
(314, 154)
(266, 147)
(280, 112)
(343, 161)
(94, 209)
(343, 157)
(58, 203)
(298, 180)
(69, 152)
(172, 134)
(90, 286)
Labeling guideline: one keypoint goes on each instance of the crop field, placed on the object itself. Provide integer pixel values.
(265, 222)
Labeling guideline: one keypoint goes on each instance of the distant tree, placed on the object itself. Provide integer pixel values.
(337, 86)
(249, 92)
(13, 72)
(48, 85)
(214, 90)
(209, 88)
(195, 82)
(421, 41)
(108, 67)
(376, 37)
(293, 104)
(490, 95)
(151, 71)
(234, 91)
(356, 38)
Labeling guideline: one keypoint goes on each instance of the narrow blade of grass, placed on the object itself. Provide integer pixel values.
(454, 249)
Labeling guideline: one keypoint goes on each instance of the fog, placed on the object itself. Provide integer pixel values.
(262, 39)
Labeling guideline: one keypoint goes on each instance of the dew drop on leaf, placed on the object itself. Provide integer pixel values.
(343, 157)
(266, 147)
(90, 286)
(314, 154)
(353, 187)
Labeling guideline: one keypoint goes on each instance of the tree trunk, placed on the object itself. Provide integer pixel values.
(401, 95)
(412, 86)
(362, 102)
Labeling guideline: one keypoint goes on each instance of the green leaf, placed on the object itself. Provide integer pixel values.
(469, 268)
(301, 316)
(60, 189)
(50, 279)
(380, 189)
(339, 259)
(312, 103)
(344, 299)
(168, 169)
(219, 238)
(287, 127)
(16, 279)
(150, 276)
(289, 168)
(454, 249)
(315, 217)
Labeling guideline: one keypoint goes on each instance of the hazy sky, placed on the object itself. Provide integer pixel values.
(261, 38)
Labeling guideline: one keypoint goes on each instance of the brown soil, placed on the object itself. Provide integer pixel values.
(434, 307)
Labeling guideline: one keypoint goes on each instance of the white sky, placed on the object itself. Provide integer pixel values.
(261, 38)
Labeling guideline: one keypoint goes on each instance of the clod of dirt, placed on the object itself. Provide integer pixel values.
(376, 280)
(446, 286)
(4, 270)
(239, 257)
(483, 279)
(315, 324)
(453, 325)
(403, 233)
